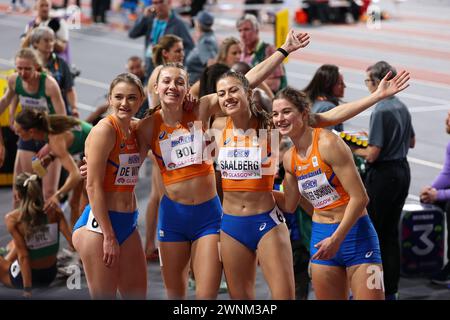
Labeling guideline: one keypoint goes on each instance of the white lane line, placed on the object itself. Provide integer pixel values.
(92, 83)
(86, 107)
(81, 36)
(364, 88)
(425, 163)
(414, 197)
(115, 42)
(360, 72)
(441, 107)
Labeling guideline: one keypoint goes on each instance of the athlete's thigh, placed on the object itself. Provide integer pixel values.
(275, 259)
(102, 280)
(329, 282)
(239, 265)
(174, 260)
(23, 161)
(206, 266)
(366, 281)
(133, 268)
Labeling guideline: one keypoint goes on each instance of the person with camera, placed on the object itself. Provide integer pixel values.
(59, 26)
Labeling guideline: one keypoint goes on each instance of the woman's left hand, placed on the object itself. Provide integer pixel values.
(295, 40)
(189, 103)
(327, 249)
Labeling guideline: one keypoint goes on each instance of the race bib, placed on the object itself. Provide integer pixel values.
(315, 188)
(29, 102)
(277, 216)
(182, 150)
(92, 223)
(240, 163)
(128, 172)
(44, 238)
(15, 269)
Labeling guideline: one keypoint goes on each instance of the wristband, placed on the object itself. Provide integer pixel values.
(284, 52)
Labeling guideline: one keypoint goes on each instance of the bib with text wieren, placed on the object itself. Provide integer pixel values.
(182, 149)
(314, 186)
(30, 102)
(237, 163)
(128, 171)
(43, 238)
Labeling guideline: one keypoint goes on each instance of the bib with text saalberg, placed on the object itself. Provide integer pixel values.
(240, 163)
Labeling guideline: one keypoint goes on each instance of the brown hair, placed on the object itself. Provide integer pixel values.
(264, 120)
(31, 207)
(165, 43)
(299, 100)
(39, 119)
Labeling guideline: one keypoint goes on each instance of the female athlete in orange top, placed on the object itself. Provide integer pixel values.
(106, 236)
(320, 168)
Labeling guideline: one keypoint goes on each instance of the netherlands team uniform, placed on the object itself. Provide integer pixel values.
(318, 183)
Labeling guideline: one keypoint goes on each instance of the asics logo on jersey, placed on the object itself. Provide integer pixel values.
(262, 226)
(369, 254)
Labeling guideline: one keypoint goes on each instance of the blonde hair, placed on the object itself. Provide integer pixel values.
(224, 47)
(30, 54)
(130, 78)
(32, 215)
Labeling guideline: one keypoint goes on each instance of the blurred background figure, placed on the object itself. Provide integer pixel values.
(439, 194)
(205, 49)
(325, 90)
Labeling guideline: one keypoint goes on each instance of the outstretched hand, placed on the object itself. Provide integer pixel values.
(387, 88)
(295, 40)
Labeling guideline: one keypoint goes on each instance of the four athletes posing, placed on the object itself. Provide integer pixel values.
(251, 225)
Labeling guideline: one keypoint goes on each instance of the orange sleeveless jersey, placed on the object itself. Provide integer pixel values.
(243, 168)
(122, 169)
(317, 181)
(161, 135)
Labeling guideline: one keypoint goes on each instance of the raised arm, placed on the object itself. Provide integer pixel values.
(294, 41)
(348, 110)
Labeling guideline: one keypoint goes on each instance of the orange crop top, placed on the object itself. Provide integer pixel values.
(241, 164)
(179, 150)
(317, 181)
(122, 169)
